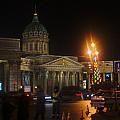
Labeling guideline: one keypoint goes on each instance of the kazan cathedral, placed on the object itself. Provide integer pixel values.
(27, 63)
(40, 68)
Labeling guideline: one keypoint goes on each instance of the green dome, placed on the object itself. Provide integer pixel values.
(34, 27)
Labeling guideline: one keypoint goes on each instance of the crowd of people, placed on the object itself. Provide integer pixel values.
(21, 105)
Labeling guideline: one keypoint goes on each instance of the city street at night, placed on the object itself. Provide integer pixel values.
(59, 60)
(76, 110)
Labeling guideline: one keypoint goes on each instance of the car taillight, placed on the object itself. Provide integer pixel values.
(27, 95)
(78, 94)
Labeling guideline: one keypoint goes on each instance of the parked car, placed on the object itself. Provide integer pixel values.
(71, 93)
(106, 98)
(48, 98)
(112, 97)
(87, 94)
(98, 100)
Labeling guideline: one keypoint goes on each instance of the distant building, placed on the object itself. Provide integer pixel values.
(9, 64)
(109, 74)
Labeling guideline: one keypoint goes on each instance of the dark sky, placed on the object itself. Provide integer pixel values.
(69, 24)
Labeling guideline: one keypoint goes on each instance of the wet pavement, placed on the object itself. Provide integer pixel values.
(76, 111)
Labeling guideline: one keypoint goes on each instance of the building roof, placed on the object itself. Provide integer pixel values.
(34, 28)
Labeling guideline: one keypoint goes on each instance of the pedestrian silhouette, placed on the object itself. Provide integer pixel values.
(56, 102)
(23, 106)
(40, 104)
(87, 111)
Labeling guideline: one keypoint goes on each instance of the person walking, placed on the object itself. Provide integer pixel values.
(40, 106)
(56, 103)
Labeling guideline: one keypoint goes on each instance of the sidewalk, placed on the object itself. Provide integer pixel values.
(112, 115)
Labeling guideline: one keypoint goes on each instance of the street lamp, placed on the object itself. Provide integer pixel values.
(93, 54)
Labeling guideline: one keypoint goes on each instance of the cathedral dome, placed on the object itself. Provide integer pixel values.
(34, 29)
(35, 38)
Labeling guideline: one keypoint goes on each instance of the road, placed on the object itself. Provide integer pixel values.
(74, 108)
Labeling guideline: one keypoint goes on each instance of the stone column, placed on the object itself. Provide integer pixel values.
(57, 78)
(40, 78)
(54, 76)
(61, 80)
(38, 46)
(73, 78)
(104, 77)
(46, 81)
(33, 46)
(118, 77)
(67, 78)
(76, 79)
(42, 48)
(28, 46)
(70, 79)
(80, 80)
(64, 82)
(49, 83)
(111, 77)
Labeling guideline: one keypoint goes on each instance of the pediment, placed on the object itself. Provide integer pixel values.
(63, 61)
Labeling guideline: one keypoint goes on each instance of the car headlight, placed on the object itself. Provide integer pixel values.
(92, 95)
(87, 95)
(47, 97)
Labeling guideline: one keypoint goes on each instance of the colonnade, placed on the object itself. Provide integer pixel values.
(49, 79)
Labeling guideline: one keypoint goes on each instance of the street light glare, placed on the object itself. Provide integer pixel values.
(93, 45)
(89, 52)
(96, 52)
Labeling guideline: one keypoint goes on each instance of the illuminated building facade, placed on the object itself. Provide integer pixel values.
(109, 73)
(38, 68)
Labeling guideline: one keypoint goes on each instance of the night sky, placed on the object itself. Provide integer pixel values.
(69, 24)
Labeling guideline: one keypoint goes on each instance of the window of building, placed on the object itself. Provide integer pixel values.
(36, 46)
(44, 46)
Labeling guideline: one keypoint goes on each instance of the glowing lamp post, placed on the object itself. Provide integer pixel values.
(93, 54)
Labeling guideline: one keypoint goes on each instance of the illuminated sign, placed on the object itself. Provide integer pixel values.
(0, 86)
